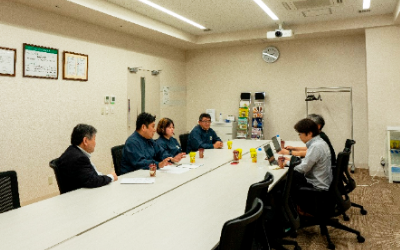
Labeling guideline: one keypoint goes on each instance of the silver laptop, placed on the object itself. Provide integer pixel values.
(277, 145)
(270, 155)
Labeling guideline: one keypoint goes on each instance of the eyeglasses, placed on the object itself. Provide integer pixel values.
(206, 121)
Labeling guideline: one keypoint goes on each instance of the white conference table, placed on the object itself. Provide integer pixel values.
(48, 223)
(189, 217)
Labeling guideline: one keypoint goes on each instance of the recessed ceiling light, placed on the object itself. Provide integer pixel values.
(266, 9)
(366, 4)
(156, 6)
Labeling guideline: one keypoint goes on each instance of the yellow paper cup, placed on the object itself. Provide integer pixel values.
(229, 143)
(253, 155)
(240, 153)
(192, 157)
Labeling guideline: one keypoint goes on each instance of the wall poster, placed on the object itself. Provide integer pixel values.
(40, 62)
(75, 66)
(8, 58)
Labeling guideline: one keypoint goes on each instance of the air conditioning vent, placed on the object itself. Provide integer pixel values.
(309, 4)
(317, 12)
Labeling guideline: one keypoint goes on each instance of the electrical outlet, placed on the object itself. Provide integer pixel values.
(50, 179)
(383, 163)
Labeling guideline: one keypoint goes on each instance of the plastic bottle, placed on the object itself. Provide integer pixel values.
(220, 117)
(260, 157)
(279, 139)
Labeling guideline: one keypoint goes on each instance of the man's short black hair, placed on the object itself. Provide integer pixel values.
(319, 120)
(80, 131)
(144, 119)
(306, 126)
(204, 115)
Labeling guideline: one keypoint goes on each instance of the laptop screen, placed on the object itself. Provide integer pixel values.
(277, 145)
(269, 153)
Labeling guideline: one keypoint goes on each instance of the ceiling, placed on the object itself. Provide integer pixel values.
(229, 21)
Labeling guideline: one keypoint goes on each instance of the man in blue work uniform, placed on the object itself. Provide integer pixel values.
(202, 136)
(141, 150)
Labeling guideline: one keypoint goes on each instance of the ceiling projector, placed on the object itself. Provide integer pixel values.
(279, 33)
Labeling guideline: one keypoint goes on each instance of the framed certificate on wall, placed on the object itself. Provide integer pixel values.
(75, 66)
(8, 58)
(40, 62)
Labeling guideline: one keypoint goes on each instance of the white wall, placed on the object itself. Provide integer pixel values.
(383, 83)
(216, 77)
(38, 115)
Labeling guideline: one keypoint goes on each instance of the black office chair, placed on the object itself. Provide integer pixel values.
(183, 138)
(54, 166)
(116, 153)
(260, 190)
(9, 195)
(238, 233)
(349, 184)
(285, 210)
(329, 204)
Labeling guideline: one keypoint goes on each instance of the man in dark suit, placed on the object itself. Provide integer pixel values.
(76, 169)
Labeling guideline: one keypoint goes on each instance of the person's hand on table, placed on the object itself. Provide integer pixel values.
(178, 157)
(165, 162)
(218, 144)
(114, 175)
(290, 148)
(284, 151)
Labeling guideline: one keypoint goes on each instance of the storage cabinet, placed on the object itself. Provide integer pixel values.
(225, 131)
(393, 153)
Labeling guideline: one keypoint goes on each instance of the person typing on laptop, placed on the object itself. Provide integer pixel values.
(301, 151)
(315, 170)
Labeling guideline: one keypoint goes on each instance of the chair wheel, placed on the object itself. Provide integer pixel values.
(346, 218)
(363, 212)
(331, 246)
(360, 239)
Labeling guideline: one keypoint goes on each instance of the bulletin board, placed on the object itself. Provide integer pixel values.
(40, 62)
(75, 66)
(7, 61)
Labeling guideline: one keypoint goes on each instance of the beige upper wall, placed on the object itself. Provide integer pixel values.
(38, 114)
(383, 50)
(216, 77)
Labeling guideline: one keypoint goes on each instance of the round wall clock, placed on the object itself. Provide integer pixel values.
(270, 54)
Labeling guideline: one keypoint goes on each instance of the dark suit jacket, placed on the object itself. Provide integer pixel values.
(76, 171)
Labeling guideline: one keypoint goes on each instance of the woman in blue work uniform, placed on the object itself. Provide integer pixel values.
(165, 129)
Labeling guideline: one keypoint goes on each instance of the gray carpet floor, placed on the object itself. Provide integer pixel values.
(380, 227)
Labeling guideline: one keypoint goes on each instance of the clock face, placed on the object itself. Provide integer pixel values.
(270, 54)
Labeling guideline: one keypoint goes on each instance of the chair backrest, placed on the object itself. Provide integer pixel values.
(238, 233)
(349, 184)
(116, 153)
(54, 166)
(183, 138)
(258, 190)
(342, 199)
(349, 143)
(290, 211)
(9, 195)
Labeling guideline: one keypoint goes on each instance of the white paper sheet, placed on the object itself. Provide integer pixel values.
(173, 170)
(138, 180)
(190, 166)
